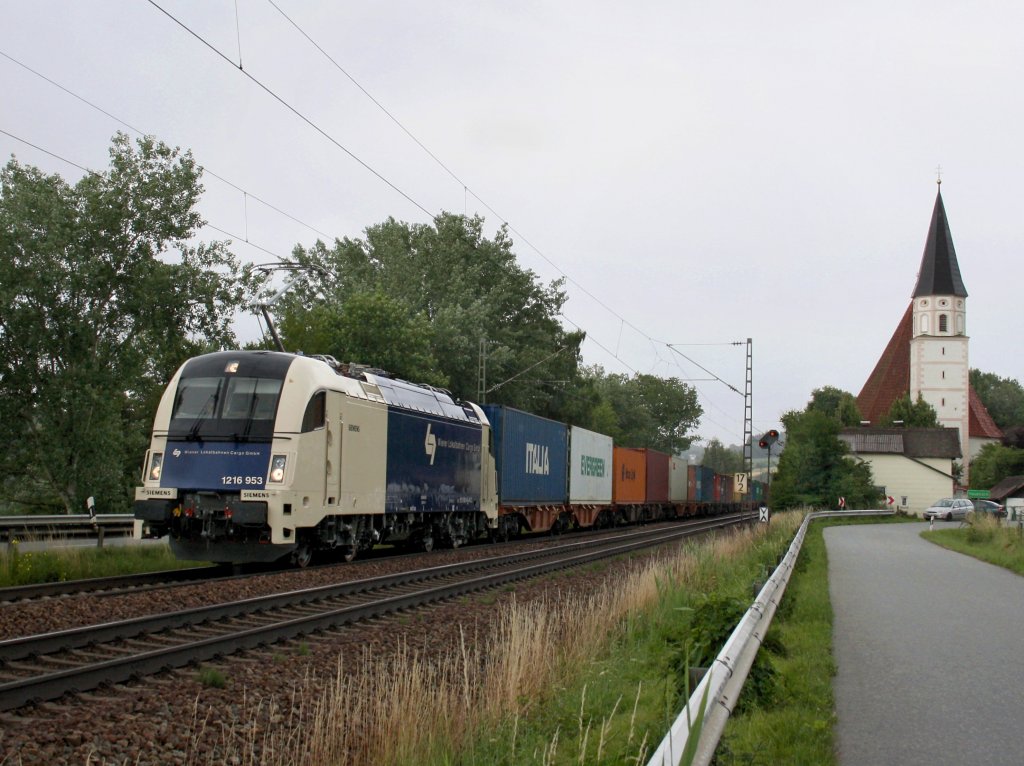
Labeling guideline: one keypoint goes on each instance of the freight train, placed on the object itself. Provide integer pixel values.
(262, 456)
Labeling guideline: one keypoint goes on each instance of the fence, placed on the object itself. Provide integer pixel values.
(77, 526)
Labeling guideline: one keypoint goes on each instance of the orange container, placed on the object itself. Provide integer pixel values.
(629, 482)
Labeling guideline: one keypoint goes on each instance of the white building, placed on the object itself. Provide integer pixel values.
(928, 353)
(914, 466)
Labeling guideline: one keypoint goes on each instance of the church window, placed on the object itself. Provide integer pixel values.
(943, 323)
(943, 374)
(924, 325)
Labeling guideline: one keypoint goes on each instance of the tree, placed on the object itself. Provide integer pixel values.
(101, 298)
(372, 328)
(721, 459)
(815, 468)
(464, 288)
(654, 412)
(1002, 397)
(918, 414)
(994, 463)
(837, 404)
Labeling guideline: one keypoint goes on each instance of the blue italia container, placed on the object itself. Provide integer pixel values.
(531, 457)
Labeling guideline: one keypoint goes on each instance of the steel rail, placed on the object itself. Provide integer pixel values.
(19, 692)
(114, 583)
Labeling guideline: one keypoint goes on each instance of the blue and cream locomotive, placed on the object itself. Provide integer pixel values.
(258, 455)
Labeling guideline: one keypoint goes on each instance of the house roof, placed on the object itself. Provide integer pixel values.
(909, 442)
(1011, 485)
(940, 272)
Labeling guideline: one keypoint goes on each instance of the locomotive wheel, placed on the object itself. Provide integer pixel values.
(427, 543)
(348, 553)
(302, 556)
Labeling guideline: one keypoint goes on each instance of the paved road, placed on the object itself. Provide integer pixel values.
(929, 646)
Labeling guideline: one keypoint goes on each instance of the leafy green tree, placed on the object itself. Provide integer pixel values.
(836, 403)
(371, 328)
(815, 468)
(1002, 397)
(650, 411)
(721, 459)
(466, 288)
(917, 414)
(994, 463)
(103, 293)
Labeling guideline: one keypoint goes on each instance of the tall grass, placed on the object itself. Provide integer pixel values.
(595, 679)
(58, 563)
(985, 538)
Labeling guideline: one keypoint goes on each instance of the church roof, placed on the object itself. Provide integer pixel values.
(940, 273)
(981, 425)
(891, 379)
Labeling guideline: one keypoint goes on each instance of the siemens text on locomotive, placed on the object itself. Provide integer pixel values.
(257, 456)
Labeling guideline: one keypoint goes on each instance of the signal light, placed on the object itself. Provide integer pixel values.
(768, 439)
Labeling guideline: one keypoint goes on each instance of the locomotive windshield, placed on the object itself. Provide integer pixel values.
(227, 407)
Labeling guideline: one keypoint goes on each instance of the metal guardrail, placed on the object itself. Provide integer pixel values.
(712, 702)
(24, 528)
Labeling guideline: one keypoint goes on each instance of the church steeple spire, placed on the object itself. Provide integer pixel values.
(940, 272)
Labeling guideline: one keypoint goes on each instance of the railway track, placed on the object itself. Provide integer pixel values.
(110, 585)
(51, 665)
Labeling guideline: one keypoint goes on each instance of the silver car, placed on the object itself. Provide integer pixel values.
(949, 508)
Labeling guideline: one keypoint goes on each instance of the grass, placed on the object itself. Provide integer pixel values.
(593, 680)
(986, 539)
(58, 564)
(212, 677)
(796, 724)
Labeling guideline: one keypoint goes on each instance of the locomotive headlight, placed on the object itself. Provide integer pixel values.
(156, 463)
(277, 466)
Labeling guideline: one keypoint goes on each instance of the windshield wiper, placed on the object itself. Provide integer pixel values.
(193, 431)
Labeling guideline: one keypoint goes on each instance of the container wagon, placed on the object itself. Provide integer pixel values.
(530, 455)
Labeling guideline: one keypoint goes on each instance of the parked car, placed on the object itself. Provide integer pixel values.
(949, 508)
(990, 507)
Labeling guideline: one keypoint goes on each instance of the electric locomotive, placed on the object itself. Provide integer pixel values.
(257, 456)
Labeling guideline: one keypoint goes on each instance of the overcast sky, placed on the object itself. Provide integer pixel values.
(701, 172)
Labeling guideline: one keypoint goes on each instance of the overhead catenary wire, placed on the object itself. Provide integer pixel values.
(466, 189)
(270, 92)
(140, 132)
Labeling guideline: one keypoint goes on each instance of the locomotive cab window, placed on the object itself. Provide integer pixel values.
(230, 407)
(316, 412)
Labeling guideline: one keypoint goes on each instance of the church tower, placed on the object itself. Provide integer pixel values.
(938, 348)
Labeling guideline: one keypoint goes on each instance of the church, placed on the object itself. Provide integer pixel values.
(928, 356)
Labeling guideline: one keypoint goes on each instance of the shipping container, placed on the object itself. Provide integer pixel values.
(701, 484)
(723, 484)
(590, 467)
(678, 481)
(657, 476)
(531, 455)
(629, 485)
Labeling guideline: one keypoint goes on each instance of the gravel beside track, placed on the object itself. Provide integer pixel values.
(161, 720)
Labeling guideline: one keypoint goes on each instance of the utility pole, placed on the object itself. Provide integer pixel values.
(748, 417)
(481, 375)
